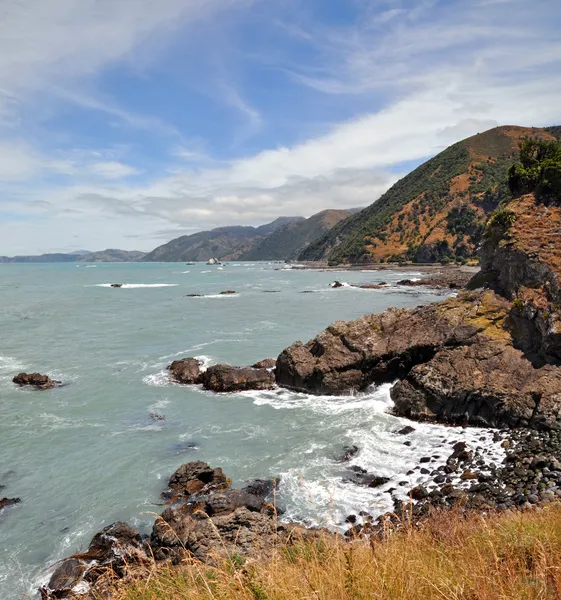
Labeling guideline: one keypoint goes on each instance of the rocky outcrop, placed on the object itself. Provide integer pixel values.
(224, 378)
(490, 384)
(185, 370)
(116, 548)
(41, 382)
(349, 356)
(195, 478)
(212, 519)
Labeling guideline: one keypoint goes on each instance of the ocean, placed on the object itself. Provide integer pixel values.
(86, 454)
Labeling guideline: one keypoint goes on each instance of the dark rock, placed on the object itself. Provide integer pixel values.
(116, 285)
(224, 378)
(8, 502)
(227, 292)
(260, 487)
(407, 443)
(461, 452)
(375, 348)
(116, 547)
(351, 519)
(424, 459)
(196, 478)
(42, 382)
(419, 493)
(337, 284)
(157, 417)
(406, 430)
(193, 295)
(186, 370)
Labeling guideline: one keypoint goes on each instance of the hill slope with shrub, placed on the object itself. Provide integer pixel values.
(438, 211)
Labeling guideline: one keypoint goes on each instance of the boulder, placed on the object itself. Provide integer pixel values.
(406, 430)
(42, 382)
(267, 363)
(116, 285)
(261, 487)
(337, 284)
(227, 292)
(196, 477)
(185, 370)
(224, 378)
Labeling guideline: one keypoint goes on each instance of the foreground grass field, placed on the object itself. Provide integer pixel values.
(513, 556)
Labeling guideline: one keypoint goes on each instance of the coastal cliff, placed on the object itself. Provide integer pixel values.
(490, 356)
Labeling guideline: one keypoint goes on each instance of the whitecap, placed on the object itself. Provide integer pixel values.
(136, 285)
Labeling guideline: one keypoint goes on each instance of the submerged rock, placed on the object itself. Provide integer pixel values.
(186, 370)
(116, 285)
(347, 453)
(224, 378)
(8, 502)
(227, 292)
(42, 382)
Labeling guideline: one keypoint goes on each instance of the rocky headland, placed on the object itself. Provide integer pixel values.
(488, 357)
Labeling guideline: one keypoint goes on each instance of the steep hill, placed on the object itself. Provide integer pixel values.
(226, 243)
(288, 241)
(435, 213)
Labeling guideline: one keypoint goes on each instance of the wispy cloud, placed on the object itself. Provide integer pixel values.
(330, 106)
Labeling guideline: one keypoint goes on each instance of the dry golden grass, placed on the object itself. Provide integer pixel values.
(513, 556)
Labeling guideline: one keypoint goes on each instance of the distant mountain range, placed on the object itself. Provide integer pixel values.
(224, 243)
(109, 255)
(282, 239)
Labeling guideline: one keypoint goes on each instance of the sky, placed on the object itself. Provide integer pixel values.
(126, 123)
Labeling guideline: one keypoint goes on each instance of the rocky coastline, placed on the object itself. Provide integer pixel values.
(489, 357)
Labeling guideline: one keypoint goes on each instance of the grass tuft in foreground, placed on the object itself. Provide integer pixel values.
(510, 556)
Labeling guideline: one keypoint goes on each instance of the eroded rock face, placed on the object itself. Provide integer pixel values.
(42, 382)
(224, 378)
(489, 384)
(185, 370)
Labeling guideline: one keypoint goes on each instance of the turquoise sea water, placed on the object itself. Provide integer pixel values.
(86, 454)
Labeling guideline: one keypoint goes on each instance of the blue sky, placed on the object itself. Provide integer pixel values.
(125, 123)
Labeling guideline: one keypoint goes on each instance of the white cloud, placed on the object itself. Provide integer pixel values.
(430, 79)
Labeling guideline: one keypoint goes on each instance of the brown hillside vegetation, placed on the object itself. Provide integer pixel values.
(429, 230)
(452, 556)
(437, 212)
